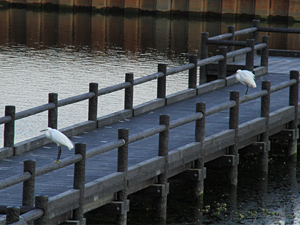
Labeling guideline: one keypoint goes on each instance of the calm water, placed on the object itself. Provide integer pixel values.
(43, 52)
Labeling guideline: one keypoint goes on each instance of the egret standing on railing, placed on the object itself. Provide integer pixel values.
(59, 138)
(247, 78)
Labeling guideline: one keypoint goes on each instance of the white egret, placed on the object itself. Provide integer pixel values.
(247, 78)
(59, 138)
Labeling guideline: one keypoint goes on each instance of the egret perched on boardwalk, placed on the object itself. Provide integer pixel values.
(247, 78)
(59, 138)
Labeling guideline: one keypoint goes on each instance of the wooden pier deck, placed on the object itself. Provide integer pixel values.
(145, 165)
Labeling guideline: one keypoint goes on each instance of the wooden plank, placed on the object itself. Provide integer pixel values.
(103, 187)
(6, 152)
(251, 129)
(148, 106)
(288, 134)
(279, 118)
(184, 155)
(63, 203)
(215, 144)
(180, 96)
(114, 117)
(211, 86)
(145, 170)
(191, 175)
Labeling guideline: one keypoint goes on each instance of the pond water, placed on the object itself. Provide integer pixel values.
(44, 52)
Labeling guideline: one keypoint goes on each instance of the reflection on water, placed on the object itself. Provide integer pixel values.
(43, 52)
(258, 199)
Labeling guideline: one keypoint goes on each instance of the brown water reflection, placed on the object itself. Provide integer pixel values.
(100, 32)
(44, 52)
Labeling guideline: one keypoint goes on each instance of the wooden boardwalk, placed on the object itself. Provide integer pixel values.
(59, 181)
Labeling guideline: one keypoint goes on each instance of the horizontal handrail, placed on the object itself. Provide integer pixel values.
(239, 52)
(146, 133)
(282, 85)
(75, 99)
(139, 136)
(29, 216)
(179, 69)
(148, 78)
(245, 31)
(184, 120)
(113, 88)
(34, 110)
(209, 60)
(279, 30)
(10, 181)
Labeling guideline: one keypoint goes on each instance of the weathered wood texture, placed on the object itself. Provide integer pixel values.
(119, 165)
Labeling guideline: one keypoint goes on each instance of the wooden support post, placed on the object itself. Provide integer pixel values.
(53, 113)
(293, 101)
(9, 128)
(41, 202)
(231, 29)
(264, 137)
(163, 177)
(222, 63)
(250, 55)
(200, 137)
(234, 124)
(264, 60)
(29, 185)
(123, 167)
(79, 180)
(193, 72)
(203, 55)
(93, 102)
(129, 92)
(162, 81)
(255, 23)
(12, 214)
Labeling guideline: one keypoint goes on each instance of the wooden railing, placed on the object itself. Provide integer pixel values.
(168, 163)
(10, 148)
(165, 162)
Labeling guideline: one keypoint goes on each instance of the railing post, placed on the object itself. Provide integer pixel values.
(255, 23)
(41, 202)
(264, 60)
(264, 137)
(129, 91)
(161, 82)
(231, 29)
(29, 185)
(203, 55)
(250, 55)
(123, 167)
(163, 177)
(93, 102)
(12, 214)
(79, 180)
(234, 124)
(222, 63)
(293, 101)
(53, 113)
(193, 72)
(200, 137)
(9, 128)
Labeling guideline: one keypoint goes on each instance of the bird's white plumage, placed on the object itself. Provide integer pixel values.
(246, 77)
(59, 138)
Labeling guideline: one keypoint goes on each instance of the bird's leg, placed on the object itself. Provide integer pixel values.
(246, 90)
(58, 155)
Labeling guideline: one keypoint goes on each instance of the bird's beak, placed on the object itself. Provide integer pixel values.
(42, 130)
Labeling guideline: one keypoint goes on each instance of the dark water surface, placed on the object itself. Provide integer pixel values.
(43, 52)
